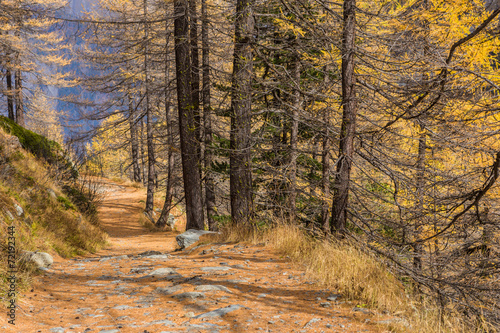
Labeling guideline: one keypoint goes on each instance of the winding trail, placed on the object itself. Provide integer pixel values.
(140, 285)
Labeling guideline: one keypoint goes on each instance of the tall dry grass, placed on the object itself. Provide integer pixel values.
(359, 276)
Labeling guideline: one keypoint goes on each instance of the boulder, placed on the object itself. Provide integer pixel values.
(190, 237)
(39, 259)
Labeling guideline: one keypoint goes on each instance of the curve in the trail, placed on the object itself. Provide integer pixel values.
(139, 284)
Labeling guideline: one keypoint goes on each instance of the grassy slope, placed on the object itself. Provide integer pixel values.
(50, 222)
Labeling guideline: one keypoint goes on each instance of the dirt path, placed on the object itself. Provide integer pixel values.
(123, 289)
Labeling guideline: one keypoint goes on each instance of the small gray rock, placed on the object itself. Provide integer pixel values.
(57, 330)
(212, 269)
(210, 287)
(219, 312)
(39, 259)
(161, 272)
(190, 237)
(19, 210)
(190, 295)
(167, 290)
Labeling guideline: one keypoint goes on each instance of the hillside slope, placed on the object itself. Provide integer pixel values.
(34, 208)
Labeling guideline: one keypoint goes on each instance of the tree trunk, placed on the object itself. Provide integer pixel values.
(325, 179)
(10, 99)
(419, 209)
(143, 154)
(348, 129)
(187, 122)
(195, 68)
(167, 205)
(241, 107)
(134, 142)
(149, 124)
(19, 98)
(207, 120)
(294, 132)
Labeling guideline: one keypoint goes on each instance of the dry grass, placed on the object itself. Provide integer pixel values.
(358, 275)
(50, 222)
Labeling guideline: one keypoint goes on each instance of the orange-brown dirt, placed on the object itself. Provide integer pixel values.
(111, 291)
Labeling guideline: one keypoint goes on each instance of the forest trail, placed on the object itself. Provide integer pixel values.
(124, 289)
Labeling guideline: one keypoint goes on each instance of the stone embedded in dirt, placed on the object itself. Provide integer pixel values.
(212, 269)
(209, 287)
(39, 259)
(110, 331)
(124, 307)
(167, 290)
(165, 322)
(149, 253)
(57, 330)
(190, 237)
(363, 310)
(332, 298)
(190, 295)
(219, 312)
(160, 272)
(158, 256)
(312, 321)
(325, 304)
(113, 258)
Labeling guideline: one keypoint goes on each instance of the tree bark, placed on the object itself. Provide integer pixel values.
(207, 121)
(294, 132)
(241, 107)
(167, 205)
(419, 209)
(325, 179)
(143, 154)
(348, 129)
(149, 123)
(136, 177)
(195, 68)
(10, 97)
(19, 98)
(187, 122)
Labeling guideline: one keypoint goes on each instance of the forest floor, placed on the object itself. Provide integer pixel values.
(128, 288)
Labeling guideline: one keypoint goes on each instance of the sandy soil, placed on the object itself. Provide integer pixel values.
(114, 291)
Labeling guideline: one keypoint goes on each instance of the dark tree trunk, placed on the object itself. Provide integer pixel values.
(294, 132)
(325, 209)
(195, 68)
(419, 209)
(10, 97)
(167, 205)
(149, 124)
(207, 120)
(241, 107)
(143, 154)
(136, 177)
(19, 99)
(325, 179)
(348, 129)
(187, 121)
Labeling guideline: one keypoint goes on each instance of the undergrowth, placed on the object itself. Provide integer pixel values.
(44, 217)
(358, 275)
